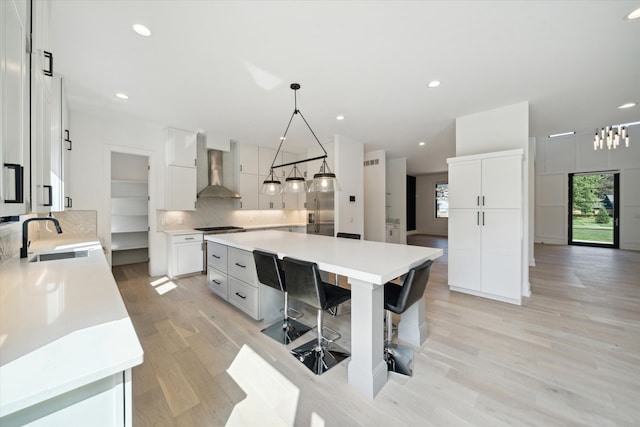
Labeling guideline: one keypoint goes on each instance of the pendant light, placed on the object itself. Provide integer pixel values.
(295, 182)
(324, 180)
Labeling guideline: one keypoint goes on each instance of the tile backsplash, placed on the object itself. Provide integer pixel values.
(220, 212)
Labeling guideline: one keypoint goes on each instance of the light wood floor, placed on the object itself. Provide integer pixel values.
(569, 356)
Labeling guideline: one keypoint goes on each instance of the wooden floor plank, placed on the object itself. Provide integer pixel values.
(569, 356)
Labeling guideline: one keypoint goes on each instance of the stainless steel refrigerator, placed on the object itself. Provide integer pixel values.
(320, 216)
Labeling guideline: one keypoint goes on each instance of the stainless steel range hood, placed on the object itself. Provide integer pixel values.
(216, 188)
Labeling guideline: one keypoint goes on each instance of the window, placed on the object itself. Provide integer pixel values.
(442, 200)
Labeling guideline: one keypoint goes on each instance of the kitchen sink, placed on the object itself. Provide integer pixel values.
(59, 255)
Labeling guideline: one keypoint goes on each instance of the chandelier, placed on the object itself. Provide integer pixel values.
(324, 180)
(612, 136)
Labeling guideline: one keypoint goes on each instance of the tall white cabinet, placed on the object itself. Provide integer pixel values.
(485, 225)
(14, 107)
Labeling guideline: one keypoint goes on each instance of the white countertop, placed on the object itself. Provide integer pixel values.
(374, 262)
(63, 324)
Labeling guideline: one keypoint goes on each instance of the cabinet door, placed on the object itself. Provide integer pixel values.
(57, 144)
(14, 106)
(265, 158)
(181, 189)
(188, 257)
(464, 184)
(464, 248)
(247, 158)
(41, 146)
(501, 182)
(501, 252)
(67, 147)
(248, 187)
(181, 148)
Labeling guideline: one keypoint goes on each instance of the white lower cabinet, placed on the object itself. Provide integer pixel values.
(231, 274)
(185, 254)
(106, 402)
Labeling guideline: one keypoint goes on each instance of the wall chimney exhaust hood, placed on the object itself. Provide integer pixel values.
(216, 188)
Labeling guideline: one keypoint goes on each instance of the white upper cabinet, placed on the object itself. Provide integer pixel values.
(247, 159)
(486, 183)
(265, 158)
(464, 185)
(14, 108)
(180, 189)
(181, 148)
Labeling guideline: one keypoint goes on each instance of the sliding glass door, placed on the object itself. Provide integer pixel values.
(593, 209)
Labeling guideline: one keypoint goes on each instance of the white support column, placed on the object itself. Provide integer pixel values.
(413, 328)
(367, 368)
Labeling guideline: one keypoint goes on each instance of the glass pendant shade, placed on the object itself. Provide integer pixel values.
(325, 180)
(295, 182)
(271, 185)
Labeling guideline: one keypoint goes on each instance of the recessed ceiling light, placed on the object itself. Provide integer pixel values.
(634, 15)
(627, 105)
(434, 83)
(142, 30)
(340, 118)
(122, 95)
(421, 143)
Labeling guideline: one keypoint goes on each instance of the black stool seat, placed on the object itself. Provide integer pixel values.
(304, 284)
(270, 273)
(397, 299)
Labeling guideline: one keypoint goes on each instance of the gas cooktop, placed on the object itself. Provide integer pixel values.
(222, 229)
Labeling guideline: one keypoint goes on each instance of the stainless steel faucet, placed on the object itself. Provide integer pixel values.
(25, 233)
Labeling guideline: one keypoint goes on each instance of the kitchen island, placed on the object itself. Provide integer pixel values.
(367, 265)
(67, 344)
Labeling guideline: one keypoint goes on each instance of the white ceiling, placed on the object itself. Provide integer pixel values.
(225, 66)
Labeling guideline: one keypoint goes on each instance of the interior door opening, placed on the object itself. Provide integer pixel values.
(593, 209)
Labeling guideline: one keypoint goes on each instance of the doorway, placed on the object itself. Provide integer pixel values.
(594, 209)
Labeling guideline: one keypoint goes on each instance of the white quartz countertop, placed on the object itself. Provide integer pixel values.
(374, 262)
(63, 325)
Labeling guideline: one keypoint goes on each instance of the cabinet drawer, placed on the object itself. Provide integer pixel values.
(242, 266)
(244, 296)
(218, 283)
(186, 238)
(217, 256)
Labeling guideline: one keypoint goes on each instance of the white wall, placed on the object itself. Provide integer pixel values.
(500, 129)
(396, 183)
(95, 136)
(374, 196)
(349, 157)
(558, 157)
(426, 221)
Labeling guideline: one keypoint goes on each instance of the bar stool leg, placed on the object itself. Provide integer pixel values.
(399, 358)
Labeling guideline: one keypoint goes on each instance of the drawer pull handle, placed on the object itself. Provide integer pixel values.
(240, 295)
(188, 238)
(240, 265)
(215, 256)
(215, 281)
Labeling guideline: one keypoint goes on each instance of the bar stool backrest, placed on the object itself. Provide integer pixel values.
(304, 282)
(269, 270)
(348, 235)
(413, 286)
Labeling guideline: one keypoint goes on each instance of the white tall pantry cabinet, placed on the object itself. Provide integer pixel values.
(485, 225)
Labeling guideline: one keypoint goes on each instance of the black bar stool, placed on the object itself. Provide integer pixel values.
(270, 273)
(304, 284)
(397, 299)
(348, 235)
